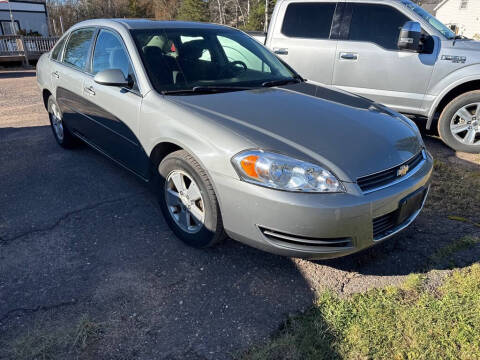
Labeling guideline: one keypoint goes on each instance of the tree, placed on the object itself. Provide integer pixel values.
(193, 10)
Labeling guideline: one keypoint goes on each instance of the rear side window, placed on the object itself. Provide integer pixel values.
(78, 48)
(308, 20)
(57, 50)
(379, 24)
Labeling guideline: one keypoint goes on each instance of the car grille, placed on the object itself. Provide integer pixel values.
(382, 225)
(384, 178)
(288, 240)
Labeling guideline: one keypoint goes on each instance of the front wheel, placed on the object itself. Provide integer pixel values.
(188, 201)
(459, 123)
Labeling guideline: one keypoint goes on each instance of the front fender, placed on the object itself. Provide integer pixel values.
(204, 138)
(450, 82)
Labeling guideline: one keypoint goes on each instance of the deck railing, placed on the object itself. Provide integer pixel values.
(28, 47)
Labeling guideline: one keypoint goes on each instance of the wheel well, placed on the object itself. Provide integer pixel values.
(160, 151)
(452, 94)
(46, 94)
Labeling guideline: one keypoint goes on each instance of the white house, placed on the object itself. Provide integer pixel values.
(465, 14)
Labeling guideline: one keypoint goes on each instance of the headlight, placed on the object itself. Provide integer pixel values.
(284, 173)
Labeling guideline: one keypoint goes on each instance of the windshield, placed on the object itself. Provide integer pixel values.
(186, 59)
(432, 20)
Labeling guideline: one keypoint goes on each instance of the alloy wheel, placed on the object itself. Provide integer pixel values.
(57, 121)
(465, 124)
(184, 201)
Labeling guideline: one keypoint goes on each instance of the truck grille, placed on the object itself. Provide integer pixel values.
(384, 178)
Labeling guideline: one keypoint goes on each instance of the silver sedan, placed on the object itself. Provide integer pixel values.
(237, 142)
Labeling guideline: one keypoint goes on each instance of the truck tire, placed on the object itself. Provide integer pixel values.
(188, 201)
(459, 123)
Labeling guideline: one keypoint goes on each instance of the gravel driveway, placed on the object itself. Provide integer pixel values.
(84, 250)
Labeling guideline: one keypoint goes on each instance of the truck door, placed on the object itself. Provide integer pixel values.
(302, 34)
(368, 61)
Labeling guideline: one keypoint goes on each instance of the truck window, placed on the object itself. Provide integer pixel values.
(379, 24)
(308, 20)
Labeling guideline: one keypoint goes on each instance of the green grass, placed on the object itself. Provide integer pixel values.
(454, 193)
(406, 322)
(56, 343)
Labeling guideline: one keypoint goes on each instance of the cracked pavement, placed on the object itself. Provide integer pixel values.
(80, 235)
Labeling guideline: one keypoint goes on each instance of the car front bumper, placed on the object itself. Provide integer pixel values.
(315, 225)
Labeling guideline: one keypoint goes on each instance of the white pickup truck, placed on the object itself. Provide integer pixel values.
(391, 51)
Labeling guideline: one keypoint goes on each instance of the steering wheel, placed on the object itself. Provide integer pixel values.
(234, 64)
(232, 68)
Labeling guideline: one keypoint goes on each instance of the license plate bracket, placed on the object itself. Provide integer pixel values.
(410, 204)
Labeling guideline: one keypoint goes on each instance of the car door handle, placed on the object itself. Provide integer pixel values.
(56, 74)
(89, 90)
(280, 51)
(348, 56)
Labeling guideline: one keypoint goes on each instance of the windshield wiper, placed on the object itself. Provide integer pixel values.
(279, 82)
(205, 90)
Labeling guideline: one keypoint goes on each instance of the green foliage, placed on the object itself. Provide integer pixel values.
(256, 20)
(193, 10)
(406, 322)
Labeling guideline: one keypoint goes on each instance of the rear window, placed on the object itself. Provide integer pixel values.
(78, 48)
(57, 50)
(308, 20)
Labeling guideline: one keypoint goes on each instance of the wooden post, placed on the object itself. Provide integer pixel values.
(25, 50)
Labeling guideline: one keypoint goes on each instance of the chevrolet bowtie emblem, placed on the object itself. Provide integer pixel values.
(402, 170)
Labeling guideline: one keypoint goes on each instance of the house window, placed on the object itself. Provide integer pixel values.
(463, 4)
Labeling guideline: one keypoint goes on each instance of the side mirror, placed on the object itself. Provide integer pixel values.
(454, 28)
(111, 77)
(409, 38)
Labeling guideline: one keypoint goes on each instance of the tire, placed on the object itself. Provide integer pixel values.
(63, 136)
(178, 173)
(450, 123)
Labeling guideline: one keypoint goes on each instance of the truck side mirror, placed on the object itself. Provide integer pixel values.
(409, 38)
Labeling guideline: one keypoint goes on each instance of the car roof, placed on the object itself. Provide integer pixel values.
(131, 24)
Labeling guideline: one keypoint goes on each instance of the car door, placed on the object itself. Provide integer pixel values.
(368, 61)
(113, 111)
(68, 77)
(305, 39)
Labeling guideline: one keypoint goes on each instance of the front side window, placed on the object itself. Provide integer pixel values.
(110, 54)
(78, 48)
(180, 59)
(379, 24)
(308, 20)
(57, 50)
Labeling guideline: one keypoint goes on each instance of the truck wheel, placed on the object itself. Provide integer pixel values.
(188, 201)
(459, 123)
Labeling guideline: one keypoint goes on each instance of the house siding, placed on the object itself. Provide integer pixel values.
(467, 20)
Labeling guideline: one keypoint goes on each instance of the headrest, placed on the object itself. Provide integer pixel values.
(193, 50)
(153, 53)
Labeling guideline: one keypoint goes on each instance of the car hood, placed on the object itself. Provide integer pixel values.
(466, 44)
(348, 134)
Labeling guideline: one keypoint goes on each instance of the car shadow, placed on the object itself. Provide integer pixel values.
(14, 74)
(81, 237)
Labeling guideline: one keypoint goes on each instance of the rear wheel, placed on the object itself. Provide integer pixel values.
(188, 201)
(63, 136)
(459, 123)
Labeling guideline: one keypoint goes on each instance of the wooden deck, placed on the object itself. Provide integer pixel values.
(24, 48)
